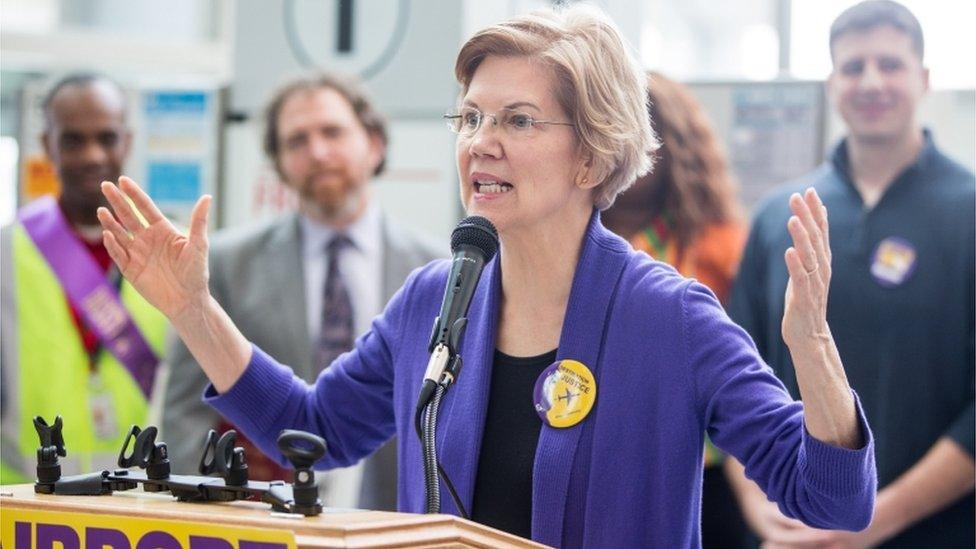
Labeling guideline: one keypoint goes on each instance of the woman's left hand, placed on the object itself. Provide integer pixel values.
(829, 410)
(808, 262)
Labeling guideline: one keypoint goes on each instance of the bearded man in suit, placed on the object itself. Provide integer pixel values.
(304, 285)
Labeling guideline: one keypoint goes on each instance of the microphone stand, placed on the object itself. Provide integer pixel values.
(442, 371)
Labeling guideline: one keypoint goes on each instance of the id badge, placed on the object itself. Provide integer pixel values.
(104, 422)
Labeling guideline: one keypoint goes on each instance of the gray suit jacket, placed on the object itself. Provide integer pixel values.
(256, 274)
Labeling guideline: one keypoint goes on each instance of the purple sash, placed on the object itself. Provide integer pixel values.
(89, 291)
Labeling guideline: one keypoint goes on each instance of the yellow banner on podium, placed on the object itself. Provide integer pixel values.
(36, 529)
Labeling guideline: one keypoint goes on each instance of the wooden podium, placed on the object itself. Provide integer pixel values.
(140, 520)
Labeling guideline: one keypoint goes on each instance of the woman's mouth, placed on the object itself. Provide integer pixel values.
(492, 187)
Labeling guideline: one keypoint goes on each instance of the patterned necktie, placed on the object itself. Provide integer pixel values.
(336, 335)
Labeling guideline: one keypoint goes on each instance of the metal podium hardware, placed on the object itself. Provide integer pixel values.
(220, 457)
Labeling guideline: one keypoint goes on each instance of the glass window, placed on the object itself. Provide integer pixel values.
(699, 40)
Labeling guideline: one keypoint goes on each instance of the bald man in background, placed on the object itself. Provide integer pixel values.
(77, 340)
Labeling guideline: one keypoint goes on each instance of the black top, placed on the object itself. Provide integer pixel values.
(503, 487)
(908, 348)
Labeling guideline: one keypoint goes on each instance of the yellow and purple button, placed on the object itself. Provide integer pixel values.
(564, 393)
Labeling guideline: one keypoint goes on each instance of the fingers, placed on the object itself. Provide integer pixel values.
(799, 275)
(819, 212)
(800, 537)
(803, 246)
(817, 208)
(802, 212)
(111, 225)
(116, 251)
(198, 220)
(792, 545)
(143, 203)
(802, 262)
(121, 207)
(786, 522)
(812, 213)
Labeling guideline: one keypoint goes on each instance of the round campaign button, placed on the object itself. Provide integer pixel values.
(564, 393)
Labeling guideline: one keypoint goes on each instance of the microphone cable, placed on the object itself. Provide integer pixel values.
(425, 422)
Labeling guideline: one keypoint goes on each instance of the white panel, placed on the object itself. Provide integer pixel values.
(8, 179)
(406, 47)
(251, 191)
(420, 186)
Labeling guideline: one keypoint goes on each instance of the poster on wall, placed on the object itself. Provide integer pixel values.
(776, 135)
(178, 148)
(37, 174)
(773, 131)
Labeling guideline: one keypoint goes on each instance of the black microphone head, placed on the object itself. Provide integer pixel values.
(478, 232)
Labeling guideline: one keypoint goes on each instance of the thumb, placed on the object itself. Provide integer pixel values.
(198, 221)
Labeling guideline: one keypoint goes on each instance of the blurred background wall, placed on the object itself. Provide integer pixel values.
(199, 71)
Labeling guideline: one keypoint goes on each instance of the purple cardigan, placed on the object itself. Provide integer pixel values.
(669, 365)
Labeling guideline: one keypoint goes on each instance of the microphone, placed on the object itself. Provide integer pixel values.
(474, 242)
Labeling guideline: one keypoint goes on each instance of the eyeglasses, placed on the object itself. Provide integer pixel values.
(468, 120)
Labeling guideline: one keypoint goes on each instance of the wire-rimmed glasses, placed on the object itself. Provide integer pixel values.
(468, 120)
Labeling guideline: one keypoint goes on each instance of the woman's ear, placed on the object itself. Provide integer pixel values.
(587, 177)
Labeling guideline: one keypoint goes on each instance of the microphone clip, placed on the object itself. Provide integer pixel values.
(440, 356)
(450, 336)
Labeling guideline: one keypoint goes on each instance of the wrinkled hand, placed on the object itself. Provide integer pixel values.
(769, 523)
(781, 532)
(808, 262)
(167, 267)
(775, 529)
(821, 539)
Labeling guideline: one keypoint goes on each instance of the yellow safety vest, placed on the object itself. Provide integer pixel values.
(52, 375)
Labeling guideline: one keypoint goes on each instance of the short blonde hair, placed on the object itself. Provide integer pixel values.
(599, 85)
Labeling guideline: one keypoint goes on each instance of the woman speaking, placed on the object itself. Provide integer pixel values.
(551, 125)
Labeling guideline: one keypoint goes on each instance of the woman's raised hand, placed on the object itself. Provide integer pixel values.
(829, 410)
(808, 262)
(167, 267)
